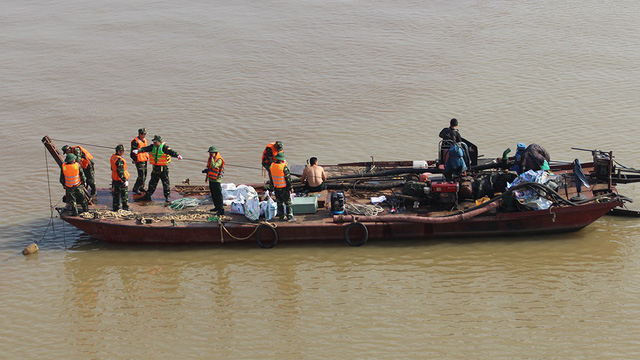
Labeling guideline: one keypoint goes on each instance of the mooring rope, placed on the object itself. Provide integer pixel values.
(180, 204)
(223, 227)
(130, 215)
(363, 209)
(51, 222)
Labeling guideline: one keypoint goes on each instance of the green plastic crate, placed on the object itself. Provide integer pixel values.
(304, 205)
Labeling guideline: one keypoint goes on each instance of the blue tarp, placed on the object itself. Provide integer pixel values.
(529, 197)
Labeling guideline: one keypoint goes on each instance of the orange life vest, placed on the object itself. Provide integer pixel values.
(141, 157)
(277, 174)
(114, 168)
(215, 173)
(274, 152)
(86, 156)
(159, 157)
(71, 174)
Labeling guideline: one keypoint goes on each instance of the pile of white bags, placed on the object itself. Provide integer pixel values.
(244, 200)
(268, 208)
(232, 192)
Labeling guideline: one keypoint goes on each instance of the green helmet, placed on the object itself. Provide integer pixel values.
(280, 156)
(213, 149)
(157, 138)
(120, 148)
(70, 158)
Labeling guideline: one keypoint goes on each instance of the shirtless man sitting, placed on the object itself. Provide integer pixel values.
(313, 177)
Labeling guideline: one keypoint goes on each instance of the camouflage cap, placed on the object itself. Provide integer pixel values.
(70, 158)
(65, 148)
(157, 138)
(278, 145)
(142, 131)
(213, 149)
(120, 148)
(280, 156)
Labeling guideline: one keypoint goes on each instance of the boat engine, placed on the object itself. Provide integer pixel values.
(602, 165)
(445, 193)
(337, 203)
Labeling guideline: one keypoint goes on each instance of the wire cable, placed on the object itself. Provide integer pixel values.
(183, 158)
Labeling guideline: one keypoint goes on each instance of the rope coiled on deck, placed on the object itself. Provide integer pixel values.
(129, 215)
(363, 209)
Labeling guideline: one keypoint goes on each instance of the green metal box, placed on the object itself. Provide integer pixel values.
(304, 205)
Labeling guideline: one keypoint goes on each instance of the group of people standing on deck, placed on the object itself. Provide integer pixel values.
(273, 161)
(78, 175)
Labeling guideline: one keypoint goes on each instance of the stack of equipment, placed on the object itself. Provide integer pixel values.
(337, 202)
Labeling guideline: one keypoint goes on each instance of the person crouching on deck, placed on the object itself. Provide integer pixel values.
(72, 179)
(282, 186)
(270, 152)
(160, 158)
(84, 157)
(214, 171)
(119, 180)
(268, 157)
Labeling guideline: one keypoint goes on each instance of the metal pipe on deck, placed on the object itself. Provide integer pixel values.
(417, 219)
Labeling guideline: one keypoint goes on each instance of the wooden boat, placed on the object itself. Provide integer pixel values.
(417, 218)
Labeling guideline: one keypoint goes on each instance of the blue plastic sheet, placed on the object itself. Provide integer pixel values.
(529, 197)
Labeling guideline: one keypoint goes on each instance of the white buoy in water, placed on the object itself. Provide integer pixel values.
(31, 249)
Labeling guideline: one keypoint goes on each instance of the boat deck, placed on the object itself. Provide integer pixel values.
(163, 213)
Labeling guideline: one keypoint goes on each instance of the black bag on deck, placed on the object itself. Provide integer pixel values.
(533, 157)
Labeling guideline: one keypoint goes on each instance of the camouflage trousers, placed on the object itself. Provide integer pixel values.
(283, 198)
(76, 195)
(142, 176)
(159, 173)
(90, 174)
(215, 188)
(120, 195)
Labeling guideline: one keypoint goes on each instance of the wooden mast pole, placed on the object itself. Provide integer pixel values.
(51, 147)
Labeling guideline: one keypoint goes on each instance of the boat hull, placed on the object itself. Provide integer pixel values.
(555, 220)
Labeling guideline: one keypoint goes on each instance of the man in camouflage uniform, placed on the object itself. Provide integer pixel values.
(268, 156)
(75, 191)
(215, 171)
(119, 180)
(282, 186)
(140, 160)
(160, 157)
(269, 153)
(88, 168)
